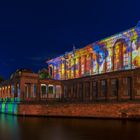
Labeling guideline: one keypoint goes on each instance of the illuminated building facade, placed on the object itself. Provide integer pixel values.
(115, 53)
(104, 70)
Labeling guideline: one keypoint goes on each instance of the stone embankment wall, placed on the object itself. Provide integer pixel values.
(94, 110)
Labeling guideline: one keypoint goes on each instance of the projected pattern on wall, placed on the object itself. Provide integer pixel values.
(118, 52)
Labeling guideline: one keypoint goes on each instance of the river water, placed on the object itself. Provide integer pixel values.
(33, 128)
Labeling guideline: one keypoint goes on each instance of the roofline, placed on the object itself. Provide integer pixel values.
(98, 41)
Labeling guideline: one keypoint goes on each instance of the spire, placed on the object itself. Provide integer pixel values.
(74, 48)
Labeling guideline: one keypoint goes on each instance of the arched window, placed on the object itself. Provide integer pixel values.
(120, 54)
(136, 53)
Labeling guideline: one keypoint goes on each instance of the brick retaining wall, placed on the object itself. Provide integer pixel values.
(96, 110)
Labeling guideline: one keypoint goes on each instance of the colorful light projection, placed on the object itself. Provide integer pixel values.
(77, 67)
(118, 52)
(82, 65)
(9, 106)
(136, 53)
(109, 60)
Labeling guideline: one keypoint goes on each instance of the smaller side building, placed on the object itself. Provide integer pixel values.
(25, 85)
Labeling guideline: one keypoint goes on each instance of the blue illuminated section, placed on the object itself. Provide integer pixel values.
(12, 90)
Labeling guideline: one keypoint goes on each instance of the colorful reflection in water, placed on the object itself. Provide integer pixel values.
(9, 129)
(28, 128)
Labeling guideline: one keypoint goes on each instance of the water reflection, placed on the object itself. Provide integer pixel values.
(9, 129)
(32, 128)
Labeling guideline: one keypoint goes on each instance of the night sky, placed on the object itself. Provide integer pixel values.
(32, 32)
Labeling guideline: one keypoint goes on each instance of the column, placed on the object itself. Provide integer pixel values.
(32, 91)
(131, 54)
(105, 60)
(54, 91)
(70, 69)
(52, 67)
(5, 91)
(79, 66)
(85, 69)
(38, 91)
(46, 91)
(91, 64)
(22, 90)
(122, 61)
(10, 90)
(61, 77)
(113, 59)
(74, 60)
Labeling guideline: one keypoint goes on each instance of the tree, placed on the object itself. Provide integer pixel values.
(1, 79)
(43, 73)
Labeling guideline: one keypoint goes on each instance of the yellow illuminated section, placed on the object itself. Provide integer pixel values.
(62, 70)
(136, 53)
(72, 68)
(77, 67)
(118, 52)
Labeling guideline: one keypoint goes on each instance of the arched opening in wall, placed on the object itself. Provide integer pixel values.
(121, 53)
(50, 91)
(43, 91)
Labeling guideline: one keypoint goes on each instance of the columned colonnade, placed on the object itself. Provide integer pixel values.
(117, 86)
(9, 90)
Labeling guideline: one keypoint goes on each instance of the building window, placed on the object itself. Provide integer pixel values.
(95, 88)
(88, 89)
(81, 90)
(127, 82)
(104, 87)
(114, 87)
(50, 89)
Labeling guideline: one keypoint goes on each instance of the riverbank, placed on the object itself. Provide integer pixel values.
(121, 110)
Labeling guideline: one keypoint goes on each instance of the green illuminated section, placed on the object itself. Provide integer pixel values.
(9, 106)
